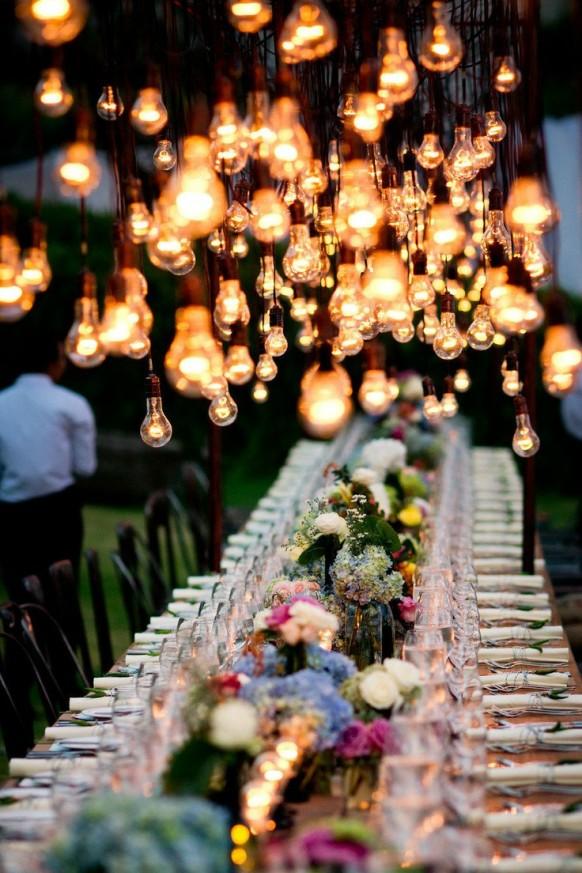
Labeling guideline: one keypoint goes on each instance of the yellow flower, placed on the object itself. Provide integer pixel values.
(410, 516)
(407, 569)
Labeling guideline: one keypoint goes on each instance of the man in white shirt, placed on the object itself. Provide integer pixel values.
(47, 439)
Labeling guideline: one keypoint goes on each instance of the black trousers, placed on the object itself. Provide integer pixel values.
(36, 533)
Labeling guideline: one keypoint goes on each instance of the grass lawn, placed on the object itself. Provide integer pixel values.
(557, 511)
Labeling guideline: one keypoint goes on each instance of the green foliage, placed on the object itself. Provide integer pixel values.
(372, 530)
(192, 767)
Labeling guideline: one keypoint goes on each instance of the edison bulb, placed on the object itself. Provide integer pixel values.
(109, 104)
(82, 345)
(432, 409)
(516, 310)
(148, 114)
(230, 302)
(239, 247)
(430, 324)
(52, 95)
(290, 150)
(78, 170)
(359, 208)
(536, 260)
(368, 120)
(165, 155)
(300, 262)
(223, 410)
(481, 331)
(506, 75)
(349, 338)
(139, 222)
(118, 328)
(249, 16)
(445, 232)
(230, 140)
(299, 309)
(529, 209)
(216, 241)
(374, 395)
(313, 180)
(561, 351)
(238, 365)
(305, 339)
(325, 405)
(441, 49)
(462, 159)
(276, 342)
(495, 126)
(449, 405)
(269, 216)
(403, 331)
(52, 22)
(557, 384)
(462, 381)
(484, 152)
(15, 301)
(525, 442)
(448, 342)
(413, 196)
(198, 194)
(421, 292)
(156, 430)
(266, 368)
(260, 391)
(511, 385)
(398, 77)
(237, 218)
(308, 33)
(34, 272)
(430, 154)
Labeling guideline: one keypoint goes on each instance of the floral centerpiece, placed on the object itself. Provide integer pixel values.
(331, 844)
(114, 833)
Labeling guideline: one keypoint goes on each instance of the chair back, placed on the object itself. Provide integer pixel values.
(135, 566)
(100, 615)
(170, 541)
(68, 611)
(196, 491)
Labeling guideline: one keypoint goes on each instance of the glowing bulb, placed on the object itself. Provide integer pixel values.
(429, 325)
(308, 33)
(237, 218)
(398, 77)
(462, 159)
(300, 262)
(139, 222)
(349, 338)
(260, 391)
(15, 301)
(110, 105)
(441, 49)
(495, 229)
(156, 430)
(216, 241)
(495, 126)
(52, 22)
(249, 16)
(266, 368)
(34, 272)
(413, 197)
(394, 213)
(448, 342)
(119, 333)
(403, 331)
(325, 404)
(526, 442)
(52, 95)
(516, 309)
(238, 365)
(431, 406)
(511, 383)
(231, 303)
(164, 155)
(368, 121)
(561, 351)
(305, 339)
(290, 149)
(536, 260)
(269, 216)
(445, 232)
(449, 405)
(82, 345)
(78, 171)
(148, 114)
(481, 332)
(557, 384)
(198, 194)
(223, 410)
(462, 381)
(359, 208)
(484, 152)
(239, 247)
(430, 153)
(229, 138)
(386, 281)
(374, 395)
(276, 342)
(506, 75)
(529, 209)
(420, 292)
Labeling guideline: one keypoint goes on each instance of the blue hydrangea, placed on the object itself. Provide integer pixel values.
(272, 663)
(338, 667)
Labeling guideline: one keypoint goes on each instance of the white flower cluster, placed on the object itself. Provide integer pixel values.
(331, 523)
(234, 724)
(372, 480)
(384, 456)
(388, 684)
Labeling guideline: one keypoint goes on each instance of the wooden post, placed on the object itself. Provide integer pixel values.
(214, 446)
(529, 470)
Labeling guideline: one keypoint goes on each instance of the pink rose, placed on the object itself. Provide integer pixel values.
(381, 737)
(398, 433)
(407, 609)
(354, 741)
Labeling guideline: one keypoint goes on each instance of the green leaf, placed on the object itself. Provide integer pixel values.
(381, 533)
(314, 552)
(525, 608)
(536, 625)
(557, 694)
(539, 645)
(572, 807)
(96, 692)
(543, 672)
(342, 475)
(556, 728)
(191, 768)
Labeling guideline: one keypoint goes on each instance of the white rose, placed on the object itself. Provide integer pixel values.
(365, 476)
(380, 495)
(384, 455)
(331, 523)
(260, 620)
(405, 674)
(379, 690)
(233, 724)
(310, 615)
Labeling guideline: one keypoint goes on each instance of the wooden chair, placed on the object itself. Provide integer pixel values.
(170, 541)
(135, 567)
(100, 615)
(196, 490)
(68, 609)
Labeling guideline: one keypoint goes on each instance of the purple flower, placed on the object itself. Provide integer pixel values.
(381, 736)
(407, 609)
(321, 847)
(354, 741)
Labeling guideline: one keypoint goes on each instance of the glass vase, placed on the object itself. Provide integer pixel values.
(368, 633)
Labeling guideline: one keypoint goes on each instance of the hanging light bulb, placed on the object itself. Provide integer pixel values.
(276, 342)
(216, 241)
(300, 262)
(223, 410)
(431, 406)
(536, 260)
(231, 303)
(312, 178)
(413, 197)
(168, 248)
(347, 301)
(448, 342)
(148, 114)
(526, 442)
(109, 104)
(462, 380)
(561, 355)
(78, 171)
(290, 150)
(52, 95)
(119, 332)
(239, 247)
(374, 395)
(305, 339)
(257, 122)
(270, 217)
(430, 153)
(394, 213)
(299, 306)
(155, 430)
(325, 404)
(266, 368)
(82, 345)
(52, 22)
(334, 160)
(237, 218)
(398, 78)
(420, 292)
(516, 309)
(260, 391)
(459, 197)
(368, 120)
(511, 385)
(429, 325)
(349, 339)
(199, 200)
(386, 283)
(495, 229)
(249, 16)
(34, 272)
(445, 232)
(495, 126)
(194, 353)
(359, 208)
(449, 405)
(441, 49)
(485, 154)
(139, 221)
(229, 138)
(308, 33)
(164, 155)
(239, 367)
(15, 302)
(506, 75)
(496, 279)
(461, 161)
(393, 387)
(481, 332)
(529, 208)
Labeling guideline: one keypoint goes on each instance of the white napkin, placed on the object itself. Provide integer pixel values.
(483, 538)
(529, 701)
(150, 636)
(60, 732)
(494, 527)
(194, 595)
(519, 632)
(184, 607)
(163, 622)
(19, 767)
(78, 704)
(543, 774)
(534, 736)
(235, 553)
(542, 862)
(106, 683)
(496, 551)
(527, 822)
(142, 658)
(503, 565)
(504, 614)
(512, 598)
(510, 580)
(525, 679)
(550, 655)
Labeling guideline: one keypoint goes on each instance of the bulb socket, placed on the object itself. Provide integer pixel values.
(374, 354)
(392, 15)
(325, 357)
(267, 250)
(261, 175)
(556, 310)
(297, 212)
(520, 405)
(511, 361)
(152, 386)
(389, 176)
(463, 116)
(447, 302)
(347, 255)
(134, 191)
(431, 123)
(428, 388)
(223, 90)
(478, 126)
(388, 239)
(276, 315)
(497, 256)
(419, 263)
(284, 83)
(527, 161)
(449, 384)
(495, 199)
(229, 268)
(239, 334)
(87, 284)
(258, 78)
(518, 275)
(37, 233)
(409, 161)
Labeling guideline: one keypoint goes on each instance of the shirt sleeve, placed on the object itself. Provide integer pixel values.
(83, 439)
(572, 410)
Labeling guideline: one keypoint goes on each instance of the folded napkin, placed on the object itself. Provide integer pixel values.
(503, 565)
(511, 598)
(259, 527)
(151, 636)
(227, 564)
(194, 595)
(534, 735)
(530, 822)
(206, 581)
(163, 622)
(496, 551)
(530, 774)
(510, 580)
(531, 701)
(550, 655)
(235, 553)
(19, 767)
(59, 732)
(180, 607)
(519, 632)
(264, 514)
(78, 704)
(525, 679)
(490, 539)
(106, 683)
(498, 527)
(504, 614)
(542, 862)
(141, 658)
